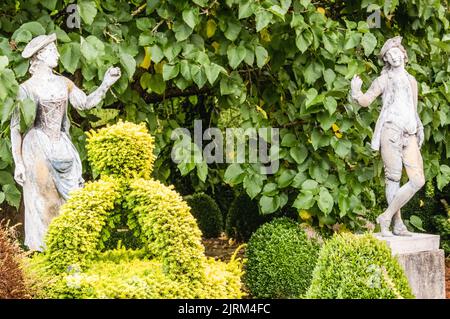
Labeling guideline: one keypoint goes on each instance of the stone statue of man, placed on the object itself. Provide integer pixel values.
(47, 164)
(398, 132)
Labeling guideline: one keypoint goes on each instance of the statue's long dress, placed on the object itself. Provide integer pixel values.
(52, 164)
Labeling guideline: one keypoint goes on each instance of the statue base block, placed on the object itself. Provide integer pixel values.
(422, 261)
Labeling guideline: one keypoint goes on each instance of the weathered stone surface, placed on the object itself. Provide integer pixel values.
(426, 273)
(414, 244)
(422, 261)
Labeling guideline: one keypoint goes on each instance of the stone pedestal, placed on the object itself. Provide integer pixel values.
(422, 261)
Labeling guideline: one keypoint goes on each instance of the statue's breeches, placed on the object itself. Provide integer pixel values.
(400, 149)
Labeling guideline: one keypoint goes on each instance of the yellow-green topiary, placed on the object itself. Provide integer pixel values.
(170, 263)
(134, 277)
(353, 266)
(121, 150)
(75, 235)
(170, 231)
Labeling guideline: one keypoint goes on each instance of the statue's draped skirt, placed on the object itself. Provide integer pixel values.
(52, 170)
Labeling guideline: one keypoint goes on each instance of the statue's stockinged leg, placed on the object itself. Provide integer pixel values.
(413, 163)
(399, 227)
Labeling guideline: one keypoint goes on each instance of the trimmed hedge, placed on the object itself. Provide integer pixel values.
(207, 213)
(281, 259)
(243, 218)
(357, 267)
(128, 274)
(123, 150)
(75, 236)
(168, 260)
(168, 227)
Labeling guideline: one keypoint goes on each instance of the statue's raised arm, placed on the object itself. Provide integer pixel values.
(47, 164)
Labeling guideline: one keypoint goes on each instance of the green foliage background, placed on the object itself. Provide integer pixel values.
(283, 64)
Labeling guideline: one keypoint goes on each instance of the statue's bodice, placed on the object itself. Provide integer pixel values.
(51, 101)
(49, 116)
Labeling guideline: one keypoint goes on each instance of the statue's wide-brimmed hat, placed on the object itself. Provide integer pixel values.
(395, 42)
(37, 43)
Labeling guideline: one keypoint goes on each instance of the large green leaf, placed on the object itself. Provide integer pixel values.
(443, 178)
(299, 153)
(157, 84)
(87, 11)
(212, 72)
(236, 55)
(269, 204)
(234, 174)
(191, 17)
(253, 184)
(261, 56)
(285, 178)
(128, 63)
(304, 201)
(198, 75)
(369, 42)
(246, 9)
(182, 30)
(170, 71)
(12, 195)
(263, 18)
(325, 201)
(232, 31)
(70, 56)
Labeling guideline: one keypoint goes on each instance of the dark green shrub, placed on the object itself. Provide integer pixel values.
(224, 195)
(281, 259)
(443, 226)
(243, 218)
(357, 267)
(207, 214)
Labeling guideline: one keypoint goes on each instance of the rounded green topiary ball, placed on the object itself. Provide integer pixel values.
(357, 267)
(123, 150)
(207, 213)
(281, 259)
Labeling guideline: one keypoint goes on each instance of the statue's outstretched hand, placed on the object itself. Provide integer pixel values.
(19, 174)
(356, 84)
(111, 76)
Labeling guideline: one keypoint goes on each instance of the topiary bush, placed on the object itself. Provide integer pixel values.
(207, 213)
(121, 150)
(243, 218)
(12, 280)
(167, 258)
(280, 260)
(75, 236)
(357, 267)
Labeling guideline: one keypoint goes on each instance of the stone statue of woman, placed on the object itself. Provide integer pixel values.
(398, 132)
(47, 164)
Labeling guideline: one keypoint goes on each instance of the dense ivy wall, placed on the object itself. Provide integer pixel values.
(283, 64)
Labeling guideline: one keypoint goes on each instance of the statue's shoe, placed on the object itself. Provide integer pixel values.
(401, 230)
(384, 226)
